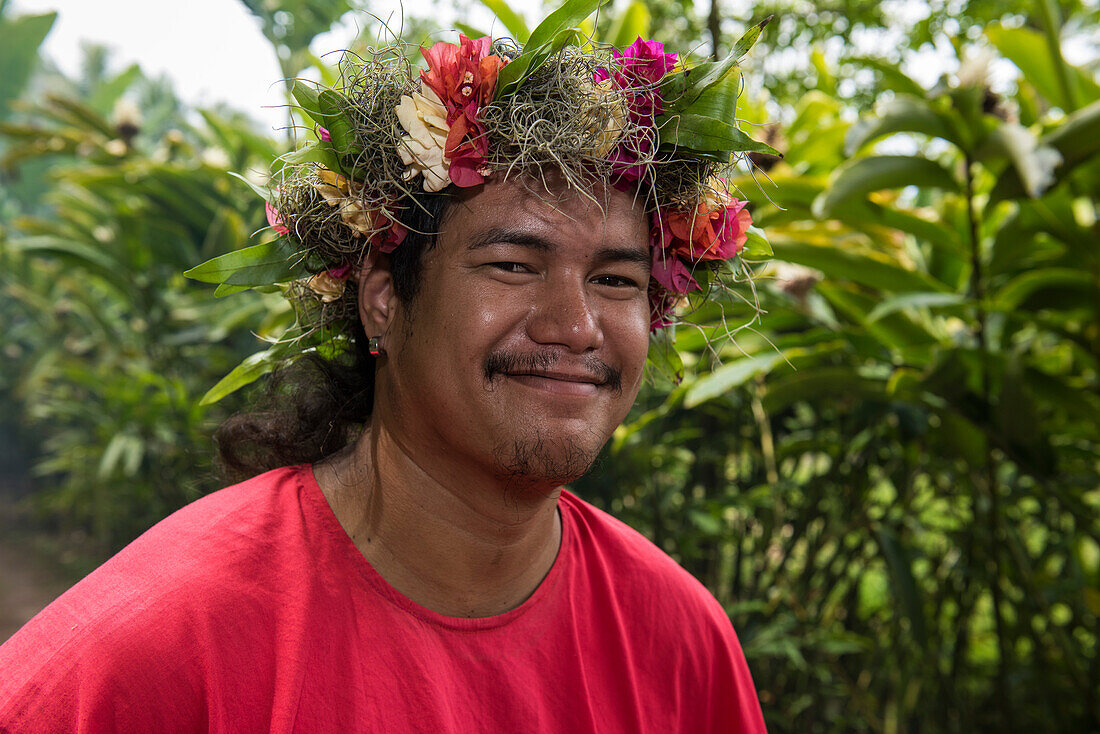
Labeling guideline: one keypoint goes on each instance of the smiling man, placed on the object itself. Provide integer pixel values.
(418, 566)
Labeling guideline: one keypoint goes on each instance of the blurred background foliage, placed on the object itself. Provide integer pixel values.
(890, 480)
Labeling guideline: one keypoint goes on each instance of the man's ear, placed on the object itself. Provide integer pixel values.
(377, 299)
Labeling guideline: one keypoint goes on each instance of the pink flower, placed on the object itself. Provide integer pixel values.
(464, 77)
(638, 70)
(711, 232)
(322, 133)
(671, 272)
(275, 219)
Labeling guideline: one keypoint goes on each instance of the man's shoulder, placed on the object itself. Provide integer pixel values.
(167, 585)
(636, 568)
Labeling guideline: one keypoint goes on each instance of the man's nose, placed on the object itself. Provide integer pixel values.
(563, 314)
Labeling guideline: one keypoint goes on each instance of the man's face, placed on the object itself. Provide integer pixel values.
(525, 344)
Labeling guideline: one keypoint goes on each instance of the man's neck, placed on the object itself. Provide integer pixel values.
(470, 546)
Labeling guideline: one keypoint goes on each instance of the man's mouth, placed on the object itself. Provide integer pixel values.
(545, 371)
(559, 382)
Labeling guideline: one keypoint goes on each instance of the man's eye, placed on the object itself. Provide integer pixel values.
(509, 267)
(617, 281)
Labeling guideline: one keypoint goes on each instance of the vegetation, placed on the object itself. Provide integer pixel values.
(891, 481)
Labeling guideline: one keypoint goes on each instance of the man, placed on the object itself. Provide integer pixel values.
(432, 575)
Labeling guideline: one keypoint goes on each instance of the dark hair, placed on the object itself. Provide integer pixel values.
(316, 406)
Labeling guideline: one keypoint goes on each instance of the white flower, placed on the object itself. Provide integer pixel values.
(339, 191)
(424, 118)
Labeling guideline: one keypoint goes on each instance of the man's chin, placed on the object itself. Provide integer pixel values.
(544, 462)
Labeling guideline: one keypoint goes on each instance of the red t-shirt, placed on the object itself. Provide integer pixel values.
(251, 610)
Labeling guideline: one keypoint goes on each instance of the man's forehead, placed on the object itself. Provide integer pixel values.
(547, 209)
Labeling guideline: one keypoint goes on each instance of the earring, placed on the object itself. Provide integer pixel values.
(374, 346)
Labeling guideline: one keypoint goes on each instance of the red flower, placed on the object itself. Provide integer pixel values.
(464, 77)
(275, 219)
(711, 232)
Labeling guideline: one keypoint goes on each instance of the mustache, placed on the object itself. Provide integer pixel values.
(506, 362)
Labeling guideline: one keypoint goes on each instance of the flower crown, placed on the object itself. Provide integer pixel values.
(391, 136)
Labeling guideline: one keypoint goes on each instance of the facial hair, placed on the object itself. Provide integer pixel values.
(541, 460)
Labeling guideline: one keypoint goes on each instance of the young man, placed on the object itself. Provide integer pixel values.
(432, 574)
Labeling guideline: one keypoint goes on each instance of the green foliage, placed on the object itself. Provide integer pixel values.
(890, 482)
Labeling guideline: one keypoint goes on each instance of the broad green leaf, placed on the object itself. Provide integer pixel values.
(729, 376)
(262, 191)
(308, 99)
(632, 23)
(340, 129)
(1076, 138)
(248, 371)
(663, 357)
(892, 77)
(1028, 49)
(820, 384)
(469, 30)
(901, 114)
(19, 42)
(699, 133)
(555, 29)
(757, 245)
(512, 20)
(262, 264)
(864, 175)
(1034, 163)
(700, 78)
(905, 586)
(871, 269)
(904, 301)
(1012, 294)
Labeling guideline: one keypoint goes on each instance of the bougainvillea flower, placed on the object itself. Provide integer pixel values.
(322, 133)
(275, 219)
(464, 77)
(671, 272)
(638, 71)
(712, 232)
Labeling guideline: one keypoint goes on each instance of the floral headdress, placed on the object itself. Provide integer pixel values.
(391, 136)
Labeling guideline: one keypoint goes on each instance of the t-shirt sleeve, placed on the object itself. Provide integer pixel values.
(76, 668)
(733, 706)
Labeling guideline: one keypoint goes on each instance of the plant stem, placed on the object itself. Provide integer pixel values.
(714, 26)
(977, 293)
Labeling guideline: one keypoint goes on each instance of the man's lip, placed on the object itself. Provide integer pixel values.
(561, 376)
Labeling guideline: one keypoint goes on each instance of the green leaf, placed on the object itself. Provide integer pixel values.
(1029, 50)
(699, 78)
(864, 175)
(871, 269)
(248, 371)
(892, 77)
(901, 114)
(263, 264)
(550, 35)
(820, 384)
(757, 246)
(708, 134)
(729, 376)
(632, 23)
(512, 20)
(1034, 163)
(914, 300)
(663, 357)
(262, 191)
(905, 586)
(1077, 140)
(340, 129)
(19, 42)
(1012, 294)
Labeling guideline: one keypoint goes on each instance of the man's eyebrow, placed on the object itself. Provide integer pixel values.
(520, 237)
(622, 254)
(523, 238)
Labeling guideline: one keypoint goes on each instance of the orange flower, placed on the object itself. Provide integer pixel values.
(464, 77)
